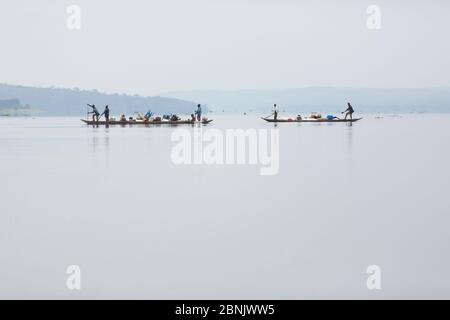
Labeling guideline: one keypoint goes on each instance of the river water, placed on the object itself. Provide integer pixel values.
(113, 202)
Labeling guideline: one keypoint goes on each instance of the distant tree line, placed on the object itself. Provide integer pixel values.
(72, 102)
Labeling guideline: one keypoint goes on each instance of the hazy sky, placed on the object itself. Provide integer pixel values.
(151, 46)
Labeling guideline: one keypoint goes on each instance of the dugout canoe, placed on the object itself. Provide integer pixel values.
(148, 123)
(312, 120)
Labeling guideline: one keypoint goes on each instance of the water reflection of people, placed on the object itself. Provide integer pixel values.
(350, 129)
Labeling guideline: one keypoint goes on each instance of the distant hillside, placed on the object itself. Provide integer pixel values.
(13, 107)
(323, 99)
(72, 102)
(9, 104)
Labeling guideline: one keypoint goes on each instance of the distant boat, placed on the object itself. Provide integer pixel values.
(312, 120)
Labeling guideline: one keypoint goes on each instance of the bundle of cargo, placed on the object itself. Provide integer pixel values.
(315, 116)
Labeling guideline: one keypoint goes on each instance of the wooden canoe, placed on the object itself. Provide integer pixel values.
(123, 123)
(312, 120)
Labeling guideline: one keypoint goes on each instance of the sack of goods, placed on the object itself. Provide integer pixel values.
(315, 116)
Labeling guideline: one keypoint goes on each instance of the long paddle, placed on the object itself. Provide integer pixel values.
(268, 116)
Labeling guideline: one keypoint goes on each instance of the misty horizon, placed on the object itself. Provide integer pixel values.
(68, 102)
(161, 94)
(153, 47)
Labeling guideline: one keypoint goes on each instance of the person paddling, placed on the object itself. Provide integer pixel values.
(106, 113)
(198, 112)
(349, 111)
(275, 112)
(95, 113)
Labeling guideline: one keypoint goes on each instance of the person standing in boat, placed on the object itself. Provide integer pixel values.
(198, 112)
(106, 113)
(95, 113)
(275, 112)
(349, 111)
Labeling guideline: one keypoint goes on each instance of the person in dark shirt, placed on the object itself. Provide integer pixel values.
(349, 111)
(95, 113)
(106, 113)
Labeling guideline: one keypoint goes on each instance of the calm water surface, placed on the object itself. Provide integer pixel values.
(111, 201)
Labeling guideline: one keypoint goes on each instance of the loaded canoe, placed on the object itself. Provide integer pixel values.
(312, 120)
(103, 123)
